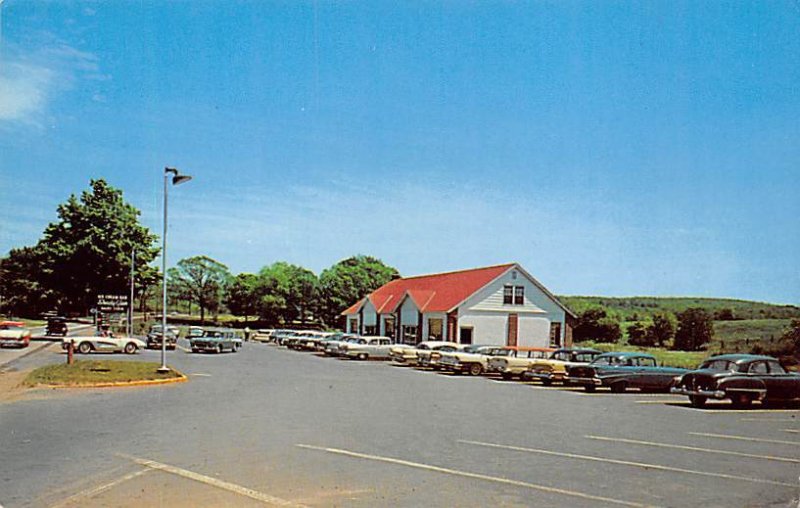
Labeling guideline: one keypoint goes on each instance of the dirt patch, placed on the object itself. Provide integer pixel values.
(11, 387)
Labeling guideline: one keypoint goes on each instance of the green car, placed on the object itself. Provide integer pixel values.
(217, 340)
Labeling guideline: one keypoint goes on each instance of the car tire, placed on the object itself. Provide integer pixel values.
(741, 400)
(547, 382)
(619, 387)
(590, 388)
(507, 376)
(84, 348)
(195, 350)
(475, 369)
(697, 401)
(130, 348)
(362, 356)
(219, 349)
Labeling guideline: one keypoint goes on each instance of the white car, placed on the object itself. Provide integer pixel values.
(368, 348)
(99, 344)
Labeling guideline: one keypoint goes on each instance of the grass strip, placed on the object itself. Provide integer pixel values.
(89, 372)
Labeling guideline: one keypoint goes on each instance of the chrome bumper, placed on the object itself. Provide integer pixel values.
(584, 380)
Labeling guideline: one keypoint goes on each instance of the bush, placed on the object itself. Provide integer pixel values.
(639, 335)
(595, 324)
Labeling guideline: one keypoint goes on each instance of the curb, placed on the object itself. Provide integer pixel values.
(121, 384)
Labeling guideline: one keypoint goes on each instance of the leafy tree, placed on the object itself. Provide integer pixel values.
(286, 293)
(638, 336)
(595, 324)
(350, 280)
(21, 293)
(662, 329)
(725, 314)
(200, 280)
(695, 329)
(242, 295)
(87, 251)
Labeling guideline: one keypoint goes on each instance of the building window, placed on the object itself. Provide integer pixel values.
(466, 335)
(519, 295)
(434, 329)
(508, 295)
(370, 330)
(354, 326)
(388, 327)
(514, 275)
(555, 334)
(409, 334)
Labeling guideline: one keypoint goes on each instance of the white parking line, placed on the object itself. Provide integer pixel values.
(628, 463)
(792, 431)
(693, 448)
(744, 438)
(185, 350)
(768, 420)
(200, 375)
(467, 474)
(86, 494)
(231, 487)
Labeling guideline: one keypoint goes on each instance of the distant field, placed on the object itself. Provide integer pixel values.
(640, 307)
(734, 336)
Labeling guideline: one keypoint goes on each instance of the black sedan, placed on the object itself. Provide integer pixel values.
(740, 378)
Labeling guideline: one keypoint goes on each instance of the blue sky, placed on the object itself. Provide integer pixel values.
(612, 148)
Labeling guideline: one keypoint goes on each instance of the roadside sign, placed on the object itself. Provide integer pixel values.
(111, 303)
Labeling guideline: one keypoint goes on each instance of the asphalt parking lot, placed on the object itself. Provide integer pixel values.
(269, 426)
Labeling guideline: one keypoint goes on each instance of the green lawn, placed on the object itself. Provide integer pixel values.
(84, 372)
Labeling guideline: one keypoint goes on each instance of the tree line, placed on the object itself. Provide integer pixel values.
(97, 243)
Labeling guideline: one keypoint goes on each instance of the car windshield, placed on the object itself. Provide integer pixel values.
(720, 365)
(210, 333)
(502, 352)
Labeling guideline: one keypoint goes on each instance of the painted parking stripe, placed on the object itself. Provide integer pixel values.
(214, 482)
(792, 431)
(744, 438)
(692, 448)
(200, 374)
(769, 420)
(88, 493)
(185, 350)
(627, 463)
(466, 474)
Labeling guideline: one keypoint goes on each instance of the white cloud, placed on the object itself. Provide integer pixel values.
(31, 80)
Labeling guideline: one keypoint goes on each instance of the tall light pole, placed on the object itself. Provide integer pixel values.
(177, 179)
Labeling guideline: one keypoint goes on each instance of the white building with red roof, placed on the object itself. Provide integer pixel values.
(500, 304)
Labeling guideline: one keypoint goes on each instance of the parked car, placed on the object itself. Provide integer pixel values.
(282, 336)
(402, 353)
(741, 378)
(154, 337)
(515, 360)
(56, 326)
(429, 358)
(263, 335)
(194, 331)
(217, 340)
(332, 346)
(473, 359)
(14, 334)
(620, 371)
(368, 348)
(103, 344)
(554, 368)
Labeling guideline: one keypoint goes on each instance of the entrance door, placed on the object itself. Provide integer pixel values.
(512, 330)
(466, 335)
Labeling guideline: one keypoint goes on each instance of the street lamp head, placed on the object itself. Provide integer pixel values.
(179, 179)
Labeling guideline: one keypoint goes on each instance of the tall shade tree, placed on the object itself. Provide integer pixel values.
(287, 293)
(695, 329)
(242, 295)
(350, 280)
(88, 250)
(200, 280)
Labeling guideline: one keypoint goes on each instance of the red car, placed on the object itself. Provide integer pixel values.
(14, 334)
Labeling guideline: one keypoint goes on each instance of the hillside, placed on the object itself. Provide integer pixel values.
(637, 308)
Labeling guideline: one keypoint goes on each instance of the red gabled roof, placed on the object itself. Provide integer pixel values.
(439, 292)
